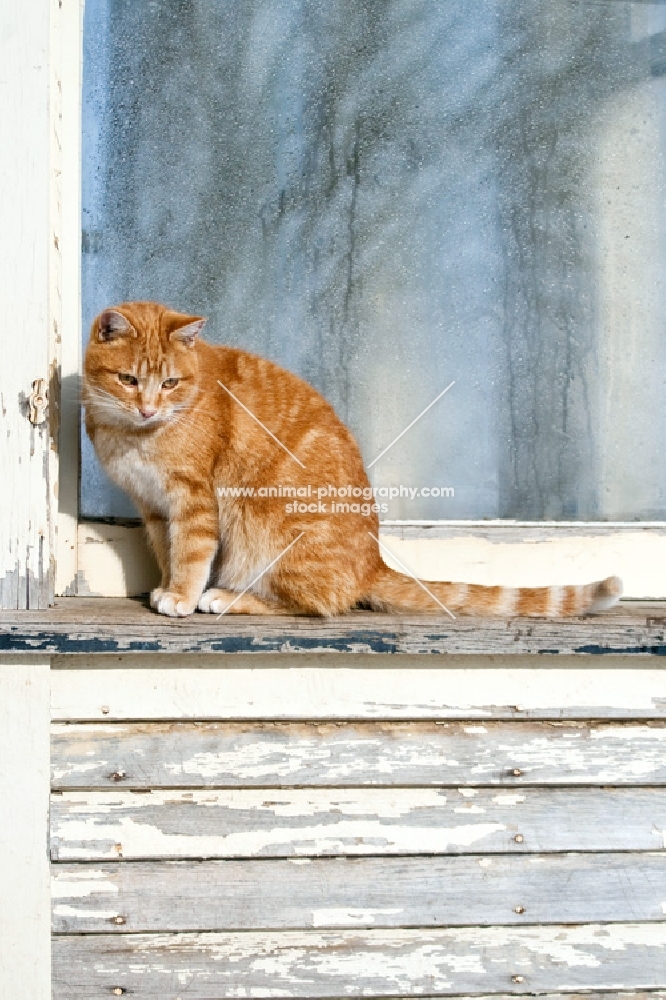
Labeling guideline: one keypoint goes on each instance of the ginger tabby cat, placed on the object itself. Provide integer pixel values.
(172, 437)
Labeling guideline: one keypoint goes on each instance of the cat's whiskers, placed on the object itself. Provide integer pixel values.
(110, 407)
(102, 399)
(173, 421)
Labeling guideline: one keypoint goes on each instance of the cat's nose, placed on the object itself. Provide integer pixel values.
(147, 411)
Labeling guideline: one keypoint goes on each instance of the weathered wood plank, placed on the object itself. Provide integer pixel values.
(26, 497)
(361, 963)
(316, 822)
(168, 755)
(351, 687)
(529, 554)
(24, 810)
(358, 892)
(123, 625)
(115, 558)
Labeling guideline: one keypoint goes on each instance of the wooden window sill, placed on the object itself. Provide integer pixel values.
(127, 625)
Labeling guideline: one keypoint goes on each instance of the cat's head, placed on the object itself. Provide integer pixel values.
(141, 366)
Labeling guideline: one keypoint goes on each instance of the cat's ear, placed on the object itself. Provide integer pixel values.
(188, 333)
(111, 324)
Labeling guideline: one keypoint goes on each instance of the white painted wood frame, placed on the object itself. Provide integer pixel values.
(40, 166)
(113, 559)
(68, 41)
(30, 341)
(152, 687)
(25, 900)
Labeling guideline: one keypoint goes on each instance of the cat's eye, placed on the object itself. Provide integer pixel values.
(170, 383)
(126, 379)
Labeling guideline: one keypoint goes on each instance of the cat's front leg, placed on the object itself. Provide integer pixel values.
(158, 538)
(193, 541)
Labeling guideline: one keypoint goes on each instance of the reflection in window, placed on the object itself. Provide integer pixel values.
(387, 195)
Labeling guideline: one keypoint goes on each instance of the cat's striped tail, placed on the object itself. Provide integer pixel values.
(392, 591)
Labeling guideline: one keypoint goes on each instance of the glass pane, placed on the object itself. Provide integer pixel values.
(386, 196)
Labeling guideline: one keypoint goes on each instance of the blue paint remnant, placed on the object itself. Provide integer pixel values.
(55, 642)
(170, 639)
(622, 650)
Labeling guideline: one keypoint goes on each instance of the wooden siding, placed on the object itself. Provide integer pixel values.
(317, 822)
(236, 755)
(346, 892)
(382, 963)
(329, 828)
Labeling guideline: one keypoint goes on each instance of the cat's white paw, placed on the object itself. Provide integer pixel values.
(155, 596)
(174, 605)
(206, 600)
(212, 601)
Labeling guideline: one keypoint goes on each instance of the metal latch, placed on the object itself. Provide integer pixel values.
(37, 401)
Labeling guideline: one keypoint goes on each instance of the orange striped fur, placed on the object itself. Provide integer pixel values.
(169, 434)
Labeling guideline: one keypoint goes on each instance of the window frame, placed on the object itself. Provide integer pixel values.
(111, 559)
(66, 88)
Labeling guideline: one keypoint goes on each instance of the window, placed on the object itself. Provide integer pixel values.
(389, 197)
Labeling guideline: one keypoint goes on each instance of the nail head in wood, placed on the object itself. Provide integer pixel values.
(517, 979)
(519, 838)
(519, 909)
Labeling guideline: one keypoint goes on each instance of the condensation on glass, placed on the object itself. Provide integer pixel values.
(386, 196)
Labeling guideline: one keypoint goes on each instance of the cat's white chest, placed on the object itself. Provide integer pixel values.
(135, 470)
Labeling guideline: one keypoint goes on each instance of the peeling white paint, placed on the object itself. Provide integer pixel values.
(63, 910)
(623, 733)
(337, 917)
(508, 799)
(347, 836)
(256, 822)
(465, 961)
(375, 803)
(75, 885)
(83, 767)
(400, 971)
